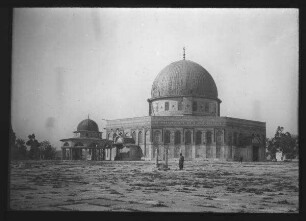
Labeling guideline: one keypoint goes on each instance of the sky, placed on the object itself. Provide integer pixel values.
(69, 63)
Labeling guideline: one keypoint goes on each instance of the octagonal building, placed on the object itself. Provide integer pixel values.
(184, 117)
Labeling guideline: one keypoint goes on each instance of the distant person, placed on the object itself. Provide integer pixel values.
(181, 161)
(241, 159)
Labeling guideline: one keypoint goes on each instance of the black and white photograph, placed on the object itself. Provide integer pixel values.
(154, 110)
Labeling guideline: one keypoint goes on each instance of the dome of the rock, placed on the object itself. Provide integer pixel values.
(184, 78)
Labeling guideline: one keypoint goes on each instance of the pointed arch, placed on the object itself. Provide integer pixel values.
(198, 137)
(167, 137)
(177, 137)
(208, 137)
(188, 137)
(157, 136)
(140, 138)
(134, 135)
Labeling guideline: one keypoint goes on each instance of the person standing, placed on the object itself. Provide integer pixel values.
(181, 161)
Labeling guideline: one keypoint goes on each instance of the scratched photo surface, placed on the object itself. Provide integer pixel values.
(154, 109)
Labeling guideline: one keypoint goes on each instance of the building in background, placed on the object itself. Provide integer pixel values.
(184, 117)
(87, 143)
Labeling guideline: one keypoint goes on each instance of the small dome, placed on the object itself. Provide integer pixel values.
(88, 125)
(184, 78)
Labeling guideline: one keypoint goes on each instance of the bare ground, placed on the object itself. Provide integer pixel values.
(206, 186)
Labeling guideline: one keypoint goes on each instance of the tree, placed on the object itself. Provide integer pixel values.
(271, 147)
(296, 149)
(284, 142)
(34, 152)
(21, 149)
(47, 151)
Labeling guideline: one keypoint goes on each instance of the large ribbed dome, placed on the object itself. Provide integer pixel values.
(88, 125)
(184, 78)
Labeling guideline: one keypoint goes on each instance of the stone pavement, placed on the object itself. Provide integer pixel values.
(203, 186)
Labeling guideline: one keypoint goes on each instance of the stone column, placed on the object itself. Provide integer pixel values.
(203, 145)
(182, 149)
(156, 156)
(213, 145)
(143, 141)
(152, 151)
(166, 160)
(193, 148)
(171, 147)
(136, 137)
(161, 150)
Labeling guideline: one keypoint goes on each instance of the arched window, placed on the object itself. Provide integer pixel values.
(177, 137)
(166, 106)
(208, 137)
(198, 138)
(188, 137)
(219, 137)
(66, 144)
(140, 140)
(157, 137)
(167, 137)
(134, 136)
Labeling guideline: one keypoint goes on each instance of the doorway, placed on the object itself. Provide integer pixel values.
(255, 153)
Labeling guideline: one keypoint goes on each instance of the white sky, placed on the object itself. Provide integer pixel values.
(71, 62)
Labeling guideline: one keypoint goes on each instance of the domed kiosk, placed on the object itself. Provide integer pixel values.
(87, 143)
(184, 117)
(88, 125)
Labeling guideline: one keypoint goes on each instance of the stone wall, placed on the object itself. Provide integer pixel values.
(225, 136)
